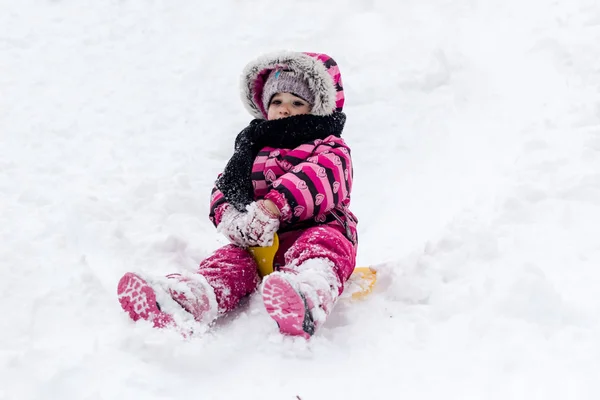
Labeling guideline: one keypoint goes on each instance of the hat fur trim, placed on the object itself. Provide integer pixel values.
(311, 69)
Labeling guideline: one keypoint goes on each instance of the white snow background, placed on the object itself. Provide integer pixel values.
(475, 129)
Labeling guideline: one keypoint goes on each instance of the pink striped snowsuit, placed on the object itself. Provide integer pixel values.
(311, 186)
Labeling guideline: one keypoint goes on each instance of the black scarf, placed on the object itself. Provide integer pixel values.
(286, 133)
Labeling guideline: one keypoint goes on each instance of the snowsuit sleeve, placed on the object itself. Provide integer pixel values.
(314, 186)
(217, 206)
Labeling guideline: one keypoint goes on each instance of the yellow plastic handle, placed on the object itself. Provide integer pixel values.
(264, 256)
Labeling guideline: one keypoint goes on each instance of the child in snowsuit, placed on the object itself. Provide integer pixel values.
(291, 173)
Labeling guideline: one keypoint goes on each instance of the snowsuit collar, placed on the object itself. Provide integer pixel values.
(236, 182)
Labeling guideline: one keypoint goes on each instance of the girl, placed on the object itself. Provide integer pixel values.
(290, 173)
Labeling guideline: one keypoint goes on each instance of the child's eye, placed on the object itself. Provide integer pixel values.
(298, 103)
(276, 102)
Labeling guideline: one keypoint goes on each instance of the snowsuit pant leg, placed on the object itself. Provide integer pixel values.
(323, 241)
(233, 274)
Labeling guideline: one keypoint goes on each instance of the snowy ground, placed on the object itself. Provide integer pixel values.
(475, 128)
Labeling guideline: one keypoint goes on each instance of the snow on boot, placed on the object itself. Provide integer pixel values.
(300, 299)
(320, 285)
(194, 294)
(151, 299)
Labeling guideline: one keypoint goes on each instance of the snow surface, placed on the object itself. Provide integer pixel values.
(475, 129)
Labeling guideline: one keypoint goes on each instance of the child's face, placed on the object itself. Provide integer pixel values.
(285, 105)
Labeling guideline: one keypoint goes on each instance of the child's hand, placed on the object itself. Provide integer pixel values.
(263, 222)
(256, 227)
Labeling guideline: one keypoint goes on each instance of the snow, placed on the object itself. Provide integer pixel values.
(475, 129)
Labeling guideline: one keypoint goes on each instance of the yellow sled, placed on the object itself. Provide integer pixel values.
(362, 279)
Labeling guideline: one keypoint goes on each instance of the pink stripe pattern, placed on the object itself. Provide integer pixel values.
(308, 184)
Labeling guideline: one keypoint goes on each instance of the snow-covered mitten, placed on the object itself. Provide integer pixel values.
(300, 299)
(255, 227)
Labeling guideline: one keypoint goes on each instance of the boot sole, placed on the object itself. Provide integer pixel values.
(287, 307)
(138, 299)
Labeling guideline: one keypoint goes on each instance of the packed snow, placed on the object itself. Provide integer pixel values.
(475, 130)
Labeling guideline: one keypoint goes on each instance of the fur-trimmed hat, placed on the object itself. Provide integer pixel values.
(319, 71)
(282, 80)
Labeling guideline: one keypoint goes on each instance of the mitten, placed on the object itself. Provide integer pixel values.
(255, 227)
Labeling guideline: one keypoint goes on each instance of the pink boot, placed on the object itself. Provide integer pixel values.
(176, 300)
(300, 299)
(195, 295)
(287, 306)
(139, 300)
